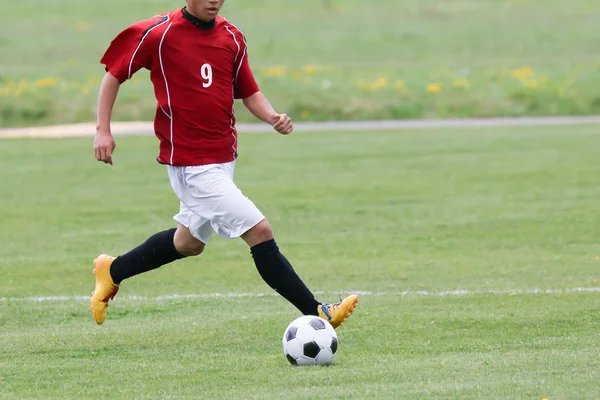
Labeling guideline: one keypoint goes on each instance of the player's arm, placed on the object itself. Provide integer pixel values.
(247, 89)
(129, 52)
(260, 107)
(104, 143)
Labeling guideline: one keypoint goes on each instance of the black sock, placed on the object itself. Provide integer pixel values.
(278, 273)
(158, 250)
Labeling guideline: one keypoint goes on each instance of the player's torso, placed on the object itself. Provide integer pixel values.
(194, 69)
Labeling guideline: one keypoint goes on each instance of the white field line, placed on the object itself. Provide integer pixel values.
(147, 128)
(406, 293)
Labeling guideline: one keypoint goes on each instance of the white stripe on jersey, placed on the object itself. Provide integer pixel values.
(167, 88)
(245, 47)
(142, 41)
(235, 80)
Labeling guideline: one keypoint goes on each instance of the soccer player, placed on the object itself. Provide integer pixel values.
(198, 64)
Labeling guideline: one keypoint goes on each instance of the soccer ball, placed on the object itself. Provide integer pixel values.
(310, 340)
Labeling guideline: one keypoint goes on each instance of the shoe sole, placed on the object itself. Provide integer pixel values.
(349, 312)
(109, 297)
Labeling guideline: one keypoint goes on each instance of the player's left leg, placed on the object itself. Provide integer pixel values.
(239, 217)
(278, 273)
(276, 270)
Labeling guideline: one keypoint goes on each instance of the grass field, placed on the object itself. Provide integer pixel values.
(326, 59)
(484, 213)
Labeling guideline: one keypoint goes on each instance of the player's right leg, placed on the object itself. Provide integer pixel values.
(160, 249)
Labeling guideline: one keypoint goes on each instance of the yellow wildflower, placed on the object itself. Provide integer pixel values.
(378, 84)
(522, 73)
(46, 82)
(433, 88)
(400, 85)
(462, 83)
(310, 69)
(274, 71)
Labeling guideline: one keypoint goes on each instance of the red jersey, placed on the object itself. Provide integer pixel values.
(198, 69)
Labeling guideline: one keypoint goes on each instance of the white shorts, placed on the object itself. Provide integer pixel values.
(210, 201)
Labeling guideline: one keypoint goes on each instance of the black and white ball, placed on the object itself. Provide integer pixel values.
(310, 340)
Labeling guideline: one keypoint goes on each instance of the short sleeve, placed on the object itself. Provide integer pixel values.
(132, 49)
(245, 84)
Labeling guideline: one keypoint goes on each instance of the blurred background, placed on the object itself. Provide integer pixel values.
(475, 250)
(325, 59)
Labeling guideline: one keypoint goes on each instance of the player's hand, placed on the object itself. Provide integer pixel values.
(282, 124)
(104, 145)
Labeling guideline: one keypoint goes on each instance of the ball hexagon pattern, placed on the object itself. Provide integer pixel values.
(310, 340)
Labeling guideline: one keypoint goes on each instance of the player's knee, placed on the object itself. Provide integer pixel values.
(191, 249)
(186, 244)
(262, 232)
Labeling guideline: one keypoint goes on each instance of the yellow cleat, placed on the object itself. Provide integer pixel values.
(338, 313)
(105, 290)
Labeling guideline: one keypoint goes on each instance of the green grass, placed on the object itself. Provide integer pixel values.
(326, 59)
(476, 210)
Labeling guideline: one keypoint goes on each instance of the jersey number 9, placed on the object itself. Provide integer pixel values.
(207, 75)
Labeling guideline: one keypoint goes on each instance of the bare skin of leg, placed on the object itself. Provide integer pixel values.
(260, 233)
(186, 244)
